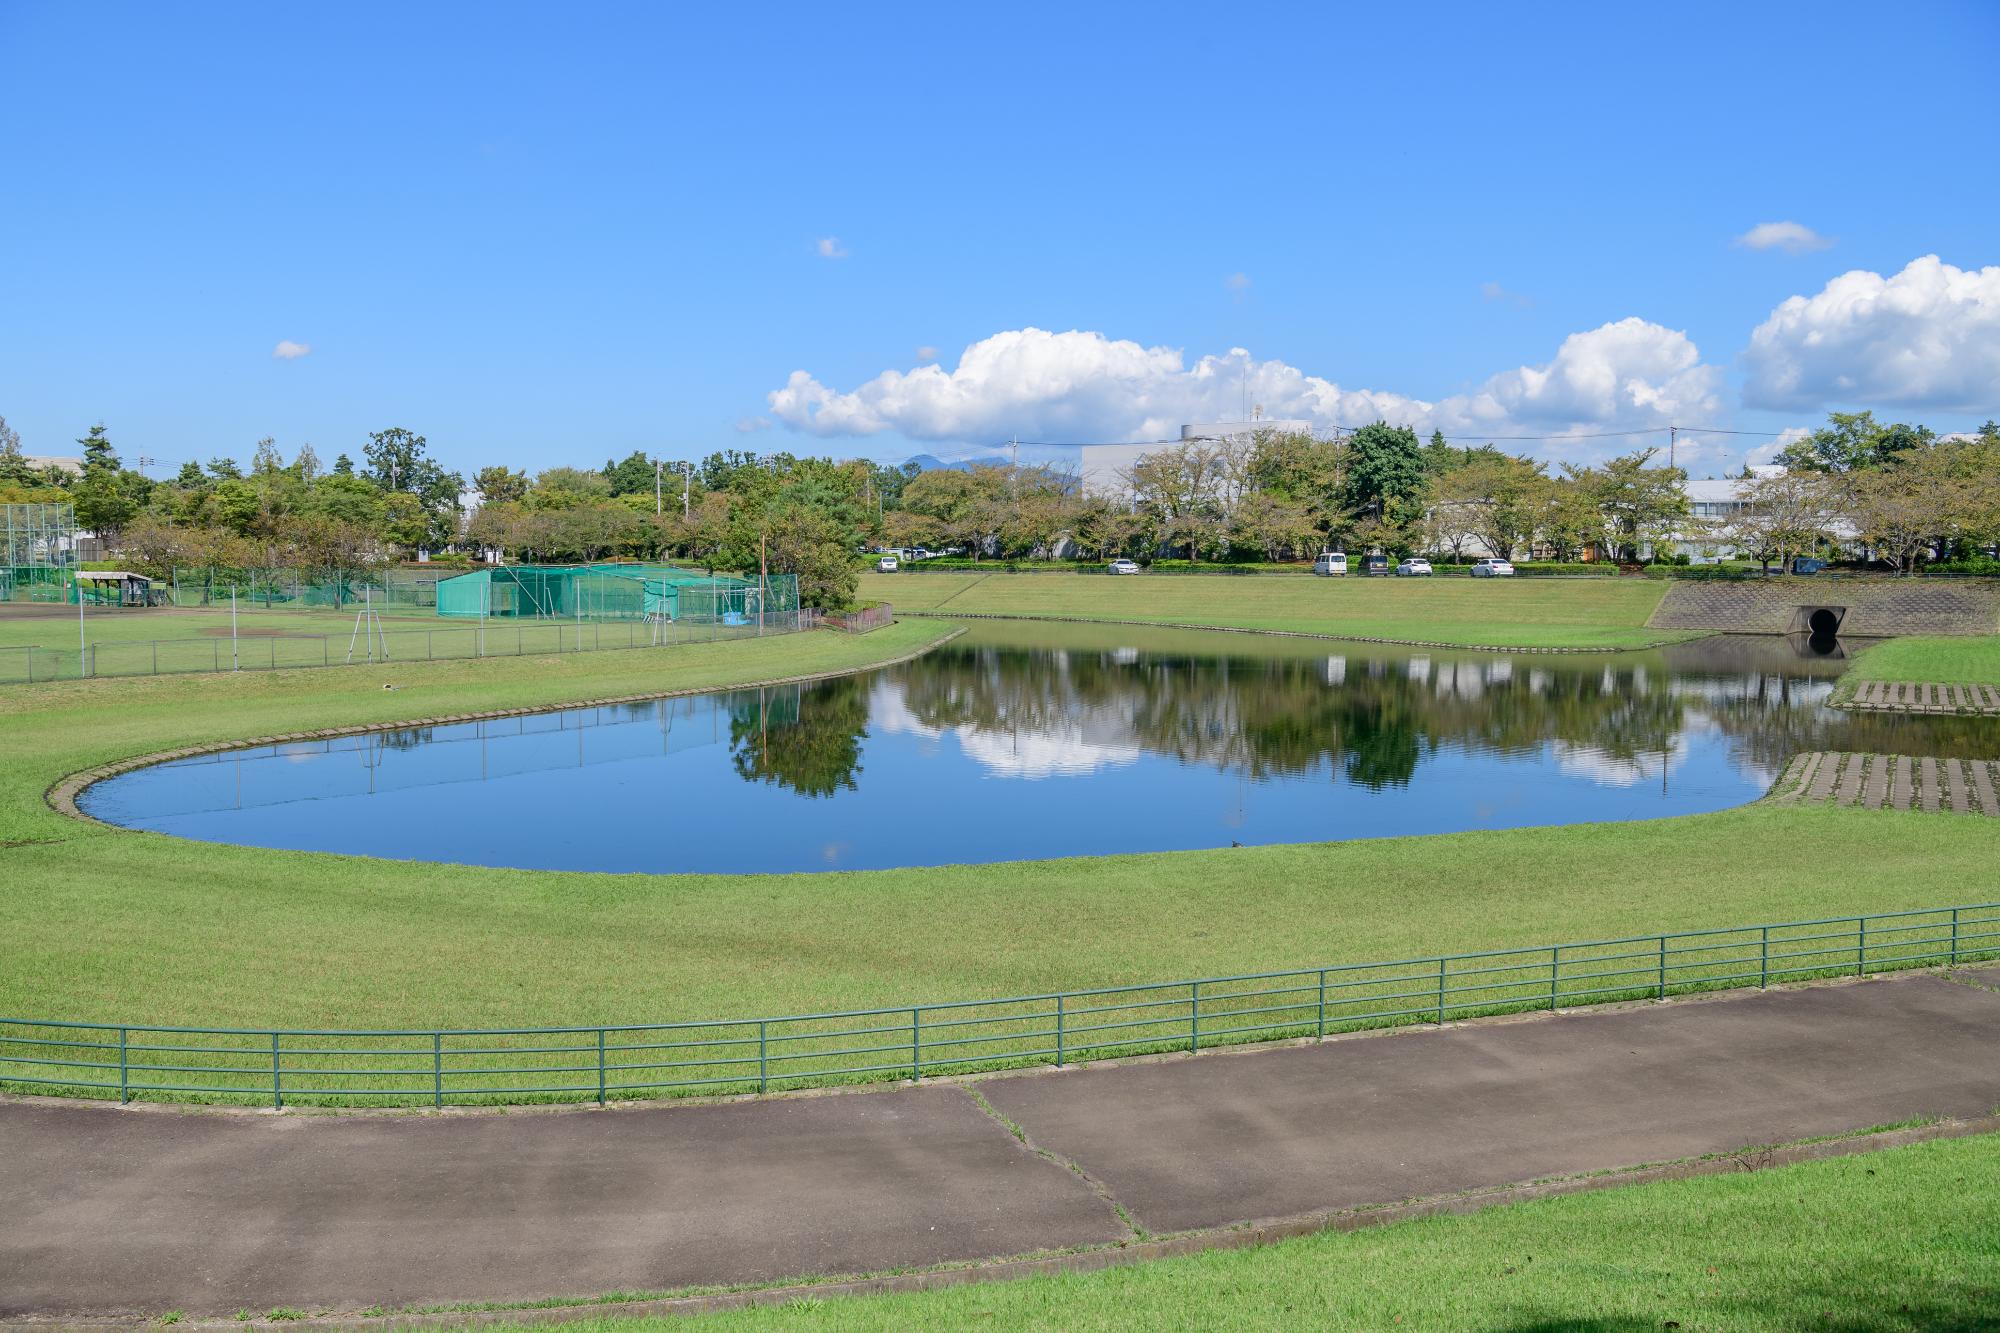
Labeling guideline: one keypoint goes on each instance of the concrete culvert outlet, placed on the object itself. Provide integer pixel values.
(1823, 622)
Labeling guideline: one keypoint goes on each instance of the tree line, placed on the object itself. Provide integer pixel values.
(1906, 495)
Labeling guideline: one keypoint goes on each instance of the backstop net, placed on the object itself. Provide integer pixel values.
(37, 544)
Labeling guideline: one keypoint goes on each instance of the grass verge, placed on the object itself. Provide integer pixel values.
(1526, 613)
(1896, 1239)
(1930, 661)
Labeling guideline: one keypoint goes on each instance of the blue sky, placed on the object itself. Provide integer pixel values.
(559, 233)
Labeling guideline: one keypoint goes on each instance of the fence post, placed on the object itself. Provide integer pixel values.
(1322, 1002)
(1440, 992)
(916, 1047)
(1194, 1016)
(1555, 971)
(1764, 959)
(124, 1076)
(1860, 945)
(277, 1091)
(1663, 967)
(600, 1066)
(763, 1059)
(1059, 1032)
(437, 1069)
(1954, 937)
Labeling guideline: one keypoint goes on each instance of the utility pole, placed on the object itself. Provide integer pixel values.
(656, 486)
(1672, 433)
(687, 487)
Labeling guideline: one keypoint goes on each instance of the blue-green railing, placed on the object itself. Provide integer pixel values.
(514, 1065)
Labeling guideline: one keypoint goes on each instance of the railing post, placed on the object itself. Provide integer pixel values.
(437, 1070)
(124, 1074)
(1555, 971)
(916, 1047)
(1954, 937)
(1194, 1016)
(763, 1057)
(1860, 945)
(277, 1091)
(1440, 1017)
(600, 1066)
(1663, 967)
(1764, 959)
(1059, 1032)
(1322, 1002)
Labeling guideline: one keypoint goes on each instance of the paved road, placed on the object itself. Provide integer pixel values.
(111, 1211)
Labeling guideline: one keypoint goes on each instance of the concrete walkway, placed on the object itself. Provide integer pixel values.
(1888, 696)
(1892, 782)
(138, 1211)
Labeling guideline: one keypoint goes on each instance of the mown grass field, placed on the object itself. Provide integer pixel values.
(106, 924)
(1935, 661)
(1519, 613)
(1898, 1239)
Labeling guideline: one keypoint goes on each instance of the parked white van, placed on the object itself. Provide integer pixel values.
(1331, 562)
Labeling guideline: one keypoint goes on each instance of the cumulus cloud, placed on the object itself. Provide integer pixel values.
(927, 353)
(1794, 238)
(1082, 385)
(1928, 337)
(829, 247)
(287, 350)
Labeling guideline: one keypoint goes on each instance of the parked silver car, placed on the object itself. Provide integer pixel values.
(1493, 567)
(1414, 567)
(1122, 566)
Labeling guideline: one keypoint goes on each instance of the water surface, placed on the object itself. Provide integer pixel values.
(1021, 742)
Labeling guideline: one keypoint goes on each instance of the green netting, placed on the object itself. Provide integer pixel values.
(617, 592)
(280, 588)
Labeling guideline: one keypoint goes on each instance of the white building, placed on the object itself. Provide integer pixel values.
(1104, 465)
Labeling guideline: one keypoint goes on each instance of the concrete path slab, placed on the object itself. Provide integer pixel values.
(155, 1210)
(1200, 1143)
(140, 1211)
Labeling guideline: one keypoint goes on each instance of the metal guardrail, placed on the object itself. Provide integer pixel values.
(518, 1065)
(262, 650)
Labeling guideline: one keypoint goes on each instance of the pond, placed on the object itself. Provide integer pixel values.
(1026, 742)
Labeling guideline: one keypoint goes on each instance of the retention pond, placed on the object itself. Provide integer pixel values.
(1034, 741)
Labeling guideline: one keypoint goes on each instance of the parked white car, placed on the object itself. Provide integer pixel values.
(888, 564)
(1413, 567)
(1492, 568)
(1122, 566)
(1330, 562)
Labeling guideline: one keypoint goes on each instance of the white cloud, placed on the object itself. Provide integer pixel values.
(927, 353)
(1082, 385)
(287, 350)
(1929, 337)
(751, 425)
(829, 247)
(1794, 238)
(1493, 291)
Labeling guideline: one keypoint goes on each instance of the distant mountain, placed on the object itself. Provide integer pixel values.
(932, 463)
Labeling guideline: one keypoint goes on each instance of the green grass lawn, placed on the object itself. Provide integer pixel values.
(1939, 661)
(1898, 1239)
(107, 924)
(1522, 613)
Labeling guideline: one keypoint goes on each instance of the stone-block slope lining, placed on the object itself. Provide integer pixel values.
(1863, 607)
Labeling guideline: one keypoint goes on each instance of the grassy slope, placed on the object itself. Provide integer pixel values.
(1527, 613)
(108, 924)
(1901, 1239)
(1954, 661)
